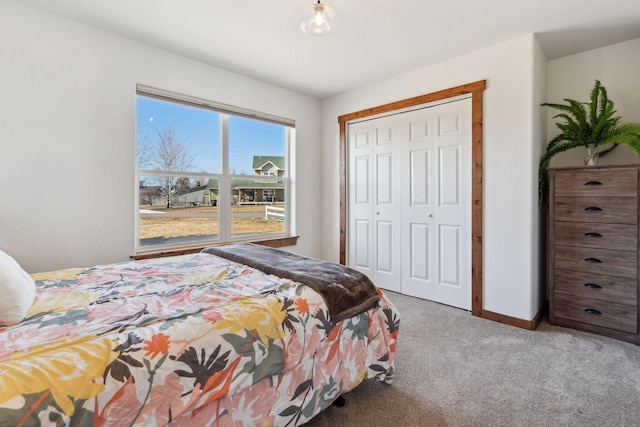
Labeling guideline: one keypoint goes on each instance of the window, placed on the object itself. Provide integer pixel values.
(207, 173)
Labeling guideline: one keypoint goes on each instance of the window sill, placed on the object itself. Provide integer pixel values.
(274, 243)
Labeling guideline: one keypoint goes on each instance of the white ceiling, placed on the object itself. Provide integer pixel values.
(374, 39)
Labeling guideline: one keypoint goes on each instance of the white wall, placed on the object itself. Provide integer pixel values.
(618, 69)
(510, 161)
(67, 117)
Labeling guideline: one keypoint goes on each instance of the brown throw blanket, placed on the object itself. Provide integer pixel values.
(346, 291)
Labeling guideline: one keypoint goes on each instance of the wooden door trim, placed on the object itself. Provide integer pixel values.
(476, 90)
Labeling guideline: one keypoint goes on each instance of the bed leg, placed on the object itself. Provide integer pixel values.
(340, 401)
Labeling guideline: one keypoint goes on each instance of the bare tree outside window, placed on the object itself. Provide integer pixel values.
(168, 153)
(144, 148)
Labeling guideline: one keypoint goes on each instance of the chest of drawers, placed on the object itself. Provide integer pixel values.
(593, 250)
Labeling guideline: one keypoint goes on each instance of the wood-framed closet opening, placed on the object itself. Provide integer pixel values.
(476, 90)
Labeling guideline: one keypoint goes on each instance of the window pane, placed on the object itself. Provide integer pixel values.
(177, 210)
(256, 146)
(175, 137)
(179, 149)
(258, 207)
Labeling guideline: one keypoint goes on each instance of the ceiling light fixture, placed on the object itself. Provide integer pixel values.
(321, 23)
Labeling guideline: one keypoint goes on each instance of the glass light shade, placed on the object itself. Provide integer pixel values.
(321, 23)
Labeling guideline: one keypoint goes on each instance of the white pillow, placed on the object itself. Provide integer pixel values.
(17, 291)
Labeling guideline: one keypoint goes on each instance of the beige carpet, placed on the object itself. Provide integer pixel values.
(454, 369)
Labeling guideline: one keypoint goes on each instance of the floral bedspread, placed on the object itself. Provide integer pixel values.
(188, 340)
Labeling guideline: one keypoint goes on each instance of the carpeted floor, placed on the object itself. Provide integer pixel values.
(454, 369)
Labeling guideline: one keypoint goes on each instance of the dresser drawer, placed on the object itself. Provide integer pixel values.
(596, 182)
(610, 315)
(596, 235)
(595, 286)
(597, 209)
(598, 261)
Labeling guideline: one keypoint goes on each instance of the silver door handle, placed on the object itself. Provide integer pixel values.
(430, 216)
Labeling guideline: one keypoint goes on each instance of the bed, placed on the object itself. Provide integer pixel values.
(200, 339)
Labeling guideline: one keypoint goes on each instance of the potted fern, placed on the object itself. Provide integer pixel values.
(593, 125)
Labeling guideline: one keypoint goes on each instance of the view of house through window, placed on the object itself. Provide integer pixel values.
(206, 175)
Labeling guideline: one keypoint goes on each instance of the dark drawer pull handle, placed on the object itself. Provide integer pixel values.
(593, 183)
(593, 209)
(592, 311)
(594, 260)
(592, 286)
(592, 235)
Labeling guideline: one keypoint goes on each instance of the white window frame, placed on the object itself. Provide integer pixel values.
(224, 177)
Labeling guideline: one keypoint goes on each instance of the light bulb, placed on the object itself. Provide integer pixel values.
(322, 21)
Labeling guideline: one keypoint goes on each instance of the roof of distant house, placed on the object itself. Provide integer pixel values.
(249, 184)
(260, 161)
(191, 190)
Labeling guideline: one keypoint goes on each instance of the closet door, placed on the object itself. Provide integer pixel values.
(409, 226)
(436, 203)
(374, 202)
